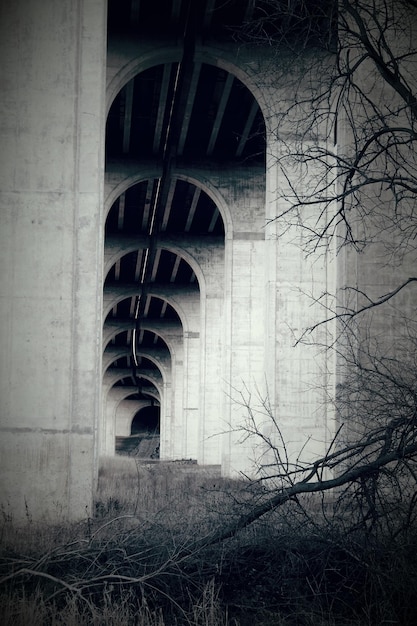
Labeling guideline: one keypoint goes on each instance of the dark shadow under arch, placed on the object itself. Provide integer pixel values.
(146, 420)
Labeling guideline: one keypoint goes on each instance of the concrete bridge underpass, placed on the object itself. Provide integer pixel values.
(185, 154)
(139, 187)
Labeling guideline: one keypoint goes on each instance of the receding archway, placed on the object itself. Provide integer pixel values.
(144, 439)
(146, 421)
(169, 226)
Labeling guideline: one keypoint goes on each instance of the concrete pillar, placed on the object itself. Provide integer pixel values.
(244, 313)
(184, 428)
(208, 254)
(51, 177)
(212, 385)
(299, 290)
(383, 220)
(244, 344)
(172, 334)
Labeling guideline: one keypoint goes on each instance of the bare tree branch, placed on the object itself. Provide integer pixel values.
(350, 315)
(305, 486)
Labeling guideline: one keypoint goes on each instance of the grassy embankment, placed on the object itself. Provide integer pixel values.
(146, 559)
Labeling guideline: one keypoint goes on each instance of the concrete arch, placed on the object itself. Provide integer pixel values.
(128, 293)
(146, 59)
(146, 174)
(169, 247)
(125, 413)
(121, 402)
(114, 396)
(135, 411)
(131, 416)
(111, 332)
(214, 183)
(109, 358)
(165, 372)
(130, 392)
(141, 60)
(213, 193)
(114, 190)
(229, 62)
(117, 393)
(117, 355)
(112, 377)
(128, 411)
(115, 248)
(116, 331)
(157, 395)
(154, 395)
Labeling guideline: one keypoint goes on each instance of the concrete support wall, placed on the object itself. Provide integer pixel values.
(244, 304)
(384, 216)
(51, 178)
(299, 370)
(244, 328)
(245, 375)
(255, 296)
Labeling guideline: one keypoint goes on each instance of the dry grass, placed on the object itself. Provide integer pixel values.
(142, 561)
(122, 565)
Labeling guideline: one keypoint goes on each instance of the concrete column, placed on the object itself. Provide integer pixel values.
(184, 428)
(244, 344)
(383, 221)
(172, 334)
(243, 366)
(51, 175)
(211, 261)
(115, 396)
(298, 288)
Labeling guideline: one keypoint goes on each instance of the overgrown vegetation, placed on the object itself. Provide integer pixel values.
(150, 556)
(326, 542)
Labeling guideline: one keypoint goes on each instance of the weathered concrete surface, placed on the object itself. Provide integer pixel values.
(51, 178)
(256, 289)
(255, 294)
